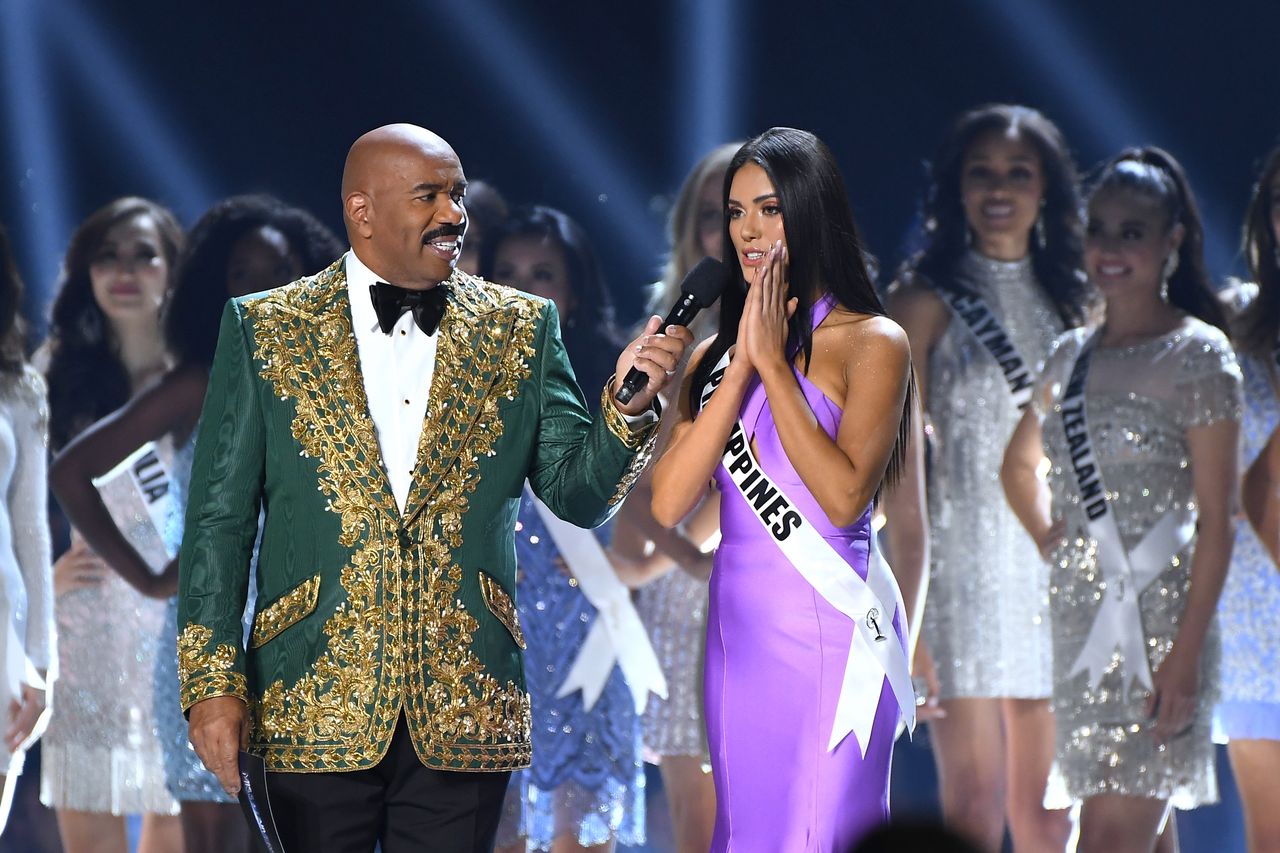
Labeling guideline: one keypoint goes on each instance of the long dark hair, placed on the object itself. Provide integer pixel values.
(200, 284)
(1155, 173)
(1259, 324)
(825, 251)
(590, 334)
(12, 330)
(1058, 263)
(86, 378)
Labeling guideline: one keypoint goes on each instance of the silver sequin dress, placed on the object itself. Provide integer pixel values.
(986, 615)
(102, 750)
(1139, 402)
(674, 609)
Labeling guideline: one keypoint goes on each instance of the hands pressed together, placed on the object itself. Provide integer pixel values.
(763, 329)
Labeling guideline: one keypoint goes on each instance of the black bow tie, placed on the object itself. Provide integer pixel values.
(389, 302)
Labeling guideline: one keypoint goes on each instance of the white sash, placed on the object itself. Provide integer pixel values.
(871, 604)
(1118, 623)
(150, 479)
(986, 327)
(617, 635)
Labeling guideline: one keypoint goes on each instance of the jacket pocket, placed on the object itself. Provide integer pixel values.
(501, 606)
(285, 611)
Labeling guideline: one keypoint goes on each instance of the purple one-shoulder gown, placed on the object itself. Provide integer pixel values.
(776, 654)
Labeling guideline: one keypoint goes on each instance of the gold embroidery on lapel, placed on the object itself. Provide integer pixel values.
(285, 611)
(204, 674)
(477, 347)
(466, 718)
(338, 715)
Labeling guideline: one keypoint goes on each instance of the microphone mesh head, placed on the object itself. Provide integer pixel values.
(704, 282)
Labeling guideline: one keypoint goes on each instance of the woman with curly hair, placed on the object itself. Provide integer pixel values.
(997, 280)
(242, 245)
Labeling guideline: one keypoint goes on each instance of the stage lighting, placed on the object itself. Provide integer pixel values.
(132, 108)
(517, 74)
(40, 224)
(1054, 51)
(702, 35)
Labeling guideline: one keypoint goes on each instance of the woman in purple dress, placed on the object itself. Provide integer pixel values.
(799, 409)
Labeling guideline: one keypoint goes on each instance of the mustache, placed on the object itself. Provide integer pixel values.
(445, 231)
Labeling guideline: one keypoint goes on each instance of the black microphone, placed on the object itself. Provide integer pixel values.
(700, 289)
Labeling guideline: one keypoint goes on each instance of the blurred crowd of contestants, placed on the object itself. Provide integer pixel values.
(1182, 409)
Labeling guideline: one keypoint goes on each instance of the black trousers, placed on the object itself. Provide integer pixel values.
(398, 803)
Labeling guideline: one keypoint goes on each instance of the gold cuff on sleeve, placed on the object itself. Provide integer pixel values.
(204, 674)
(633, 437)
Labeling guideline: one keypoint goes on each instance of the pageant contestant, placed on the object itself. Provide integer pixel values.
(101, 757)
(798, 424)
(1140, 420)
(26, 595)
(996, 282)
(382, 683)
(585, 789)
(674, 604)
(1248, 713)
(242, 245)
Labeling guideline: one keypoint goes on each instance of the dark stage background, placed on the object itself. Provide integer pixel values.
(600, 108)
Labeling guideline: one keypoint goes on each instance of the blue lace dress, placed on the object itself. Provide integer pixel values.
(1249, 611)
(587, 778)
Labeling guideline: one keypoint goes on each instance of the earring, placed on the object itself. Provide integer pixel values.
(1170, 267)
(968, 237)
(1041, 240)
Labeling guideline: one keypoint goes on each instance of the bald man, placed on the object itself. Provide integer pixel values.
(385, 415)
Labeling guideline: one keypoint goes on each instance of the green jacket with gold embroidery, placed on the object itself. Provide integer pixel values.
(364, 613)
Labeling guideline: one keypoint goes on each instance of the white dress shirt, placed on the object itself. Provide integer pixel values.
(396, 370)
